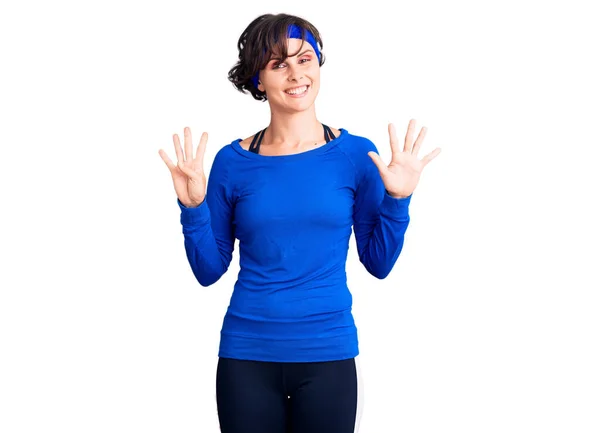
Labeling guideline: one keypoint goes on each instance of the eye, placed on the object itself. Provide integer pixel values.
(308, 60)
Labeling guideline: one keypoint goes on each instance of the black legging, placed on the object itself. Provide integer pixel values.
(277, 397)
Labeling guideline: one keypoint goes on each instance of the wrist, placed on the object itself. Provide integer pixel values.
(396, 196)
(193, 204)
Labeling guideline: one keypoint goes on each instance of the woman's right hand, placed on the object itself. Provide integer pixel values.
(188, 175)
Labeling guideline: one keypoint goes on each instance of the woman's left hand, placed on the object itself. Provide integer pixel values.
(402, 175)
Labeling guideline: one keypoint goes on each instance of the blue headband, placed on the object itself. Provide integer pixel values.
(295, 31)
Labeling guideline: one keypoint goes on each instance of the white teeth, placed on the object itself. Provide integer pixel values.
(297, 90)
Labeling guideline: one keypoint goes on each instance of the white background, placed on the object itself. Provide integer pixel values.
(489, 321)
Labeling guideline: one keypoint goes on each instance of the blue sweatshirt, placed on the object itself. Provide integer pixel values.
(293, 216)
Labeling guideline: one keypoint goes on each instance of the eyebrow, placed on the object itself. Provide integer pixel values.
(297, 55)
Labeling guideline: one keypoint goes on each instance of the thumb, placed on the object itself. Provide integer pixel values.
(381, 166)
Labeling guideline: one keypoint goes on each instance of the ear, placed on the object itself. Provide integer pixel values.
(261, 87)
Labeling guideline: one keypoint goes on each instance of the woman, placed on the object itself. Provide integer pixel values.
(291, 194)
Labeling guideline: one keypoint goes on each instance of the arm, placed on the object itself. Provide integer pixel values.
(208, 228)
(380, 220)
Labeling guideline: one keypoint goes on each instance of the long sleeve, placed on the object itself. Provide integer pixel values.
(208, 229)
(380, 220)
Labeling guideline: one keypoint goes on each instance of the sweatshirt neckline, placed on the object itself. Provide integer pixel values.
(307, 153)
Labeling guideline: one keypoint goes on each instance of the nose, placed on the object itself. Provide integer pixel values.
(294, 72)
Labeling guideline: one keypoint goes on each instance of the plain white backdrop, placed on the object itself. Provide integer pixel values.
(489, 321)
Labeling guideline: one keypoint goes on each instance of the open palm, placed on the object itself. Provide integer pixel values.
(188, 175)
(402, 174)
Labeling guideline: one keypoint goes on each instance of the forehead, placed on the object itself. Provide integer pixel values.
(294, 46)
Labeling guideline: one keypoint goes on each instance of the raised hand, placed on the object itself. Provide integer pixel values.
(188, 175)
(402, 175)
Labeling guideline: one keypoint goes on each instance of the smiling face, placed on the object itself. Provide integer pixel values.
(292, 84)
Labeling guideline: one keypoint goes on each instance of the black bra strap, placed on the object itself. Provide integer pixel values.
(328, 134)
(255, 145)
(257, 140)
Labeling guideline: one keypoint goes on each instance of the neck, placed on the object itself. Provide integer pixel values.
(293, 129)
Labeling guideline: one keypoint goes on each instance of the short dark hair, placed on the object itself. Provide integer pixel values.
(264, 37)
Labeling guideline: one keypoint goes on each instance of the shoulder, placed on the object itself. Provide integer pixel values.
(223, 161)
(245, 143)
(357, 147)
(225, 154)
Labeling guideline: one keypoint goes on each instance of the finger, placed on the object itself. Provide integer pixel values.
(167, 160)
(378, 163)
(409, 135)
(188, 171)
(178, 151)
(394, 143)
(420, 138)
(429, 157)
(200, 151)
(187, 138)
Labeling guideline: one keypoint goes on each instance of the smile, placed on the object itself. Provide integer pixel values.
(297, 91)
